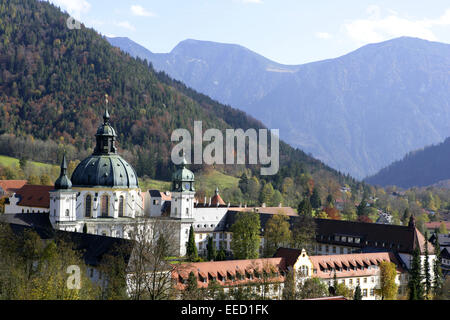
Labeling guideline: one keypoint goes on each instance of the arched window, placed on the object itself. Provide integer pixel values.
(67, 212)
(105, 205)
(121, 206)
(88, 206)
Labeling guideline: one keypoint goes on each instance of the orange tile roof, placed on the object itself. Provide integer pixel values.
(437, 224)
(227, 268)
(10, 186)
(34, 196)
(270, 210)
(217, 200)
(353, 259)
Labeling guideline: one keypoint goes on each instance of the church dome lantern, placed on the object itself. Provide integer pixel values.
(105, 168)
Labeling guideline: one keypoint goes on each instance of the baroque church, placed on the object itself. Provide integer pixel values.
(103, 196)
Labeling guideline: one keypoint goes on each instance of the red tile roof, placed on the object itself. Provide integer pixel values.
(10, 186)
(217, 200)
(228, 268)
(437, 224)
(270, 210)
(328, 262)
(357, 260)
(34, 196)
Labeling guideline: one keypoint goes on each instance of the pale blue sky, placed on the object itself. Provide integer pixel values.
(286, 31)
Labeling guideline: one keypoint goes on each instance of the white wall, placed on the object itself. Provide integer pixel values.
(13, 207)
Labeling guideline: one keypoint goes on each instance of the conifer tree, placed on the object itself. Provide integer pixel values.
(358, 294)
(426, 268)
(330, 201)
(305, 207)
(304, 227)
(406, 216)
(191, 248)
(415, 278)
(315, 199)
(361, 210)
(437, 270)
(191, 292)
(243, 183)
(335, 284)
(221, 255)
(211, 248)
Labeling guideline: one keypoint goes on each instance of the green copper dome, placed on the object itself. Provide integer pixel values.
(105, 168)
(106, 130)
(183, 178)
(105, 171)
(183, 174)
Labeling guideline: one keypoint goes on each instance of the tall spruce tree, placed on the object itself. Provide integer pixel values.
(358, 294)
(438, 281)
(315, 199)
(304, 227)
(243, 183)
(305, 207)
(211, 248)
(415, 277)
(191, 248)
(335, 284)
(426, 267)
(191, 292)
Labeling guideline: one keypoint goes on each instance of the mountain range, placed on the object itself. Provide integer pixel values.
(357, 113)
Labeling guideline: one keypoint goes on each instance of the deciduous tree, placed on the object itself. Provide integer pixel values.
(276, 234)
(246, 235)
(388, 287)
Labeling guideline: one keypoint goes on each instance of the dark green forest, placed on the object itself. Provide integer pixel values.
(420, 168)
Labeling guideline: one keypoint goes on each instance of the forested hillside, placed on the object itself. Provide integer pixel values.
(53, 83)
(420, 168)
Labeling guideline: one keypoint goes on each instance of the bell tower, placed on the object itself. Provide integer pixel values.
(183, 191)
(63, 202)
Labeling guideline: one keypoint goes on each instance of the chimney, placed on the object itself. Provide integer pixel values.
(279, 206)
(263, 205)
(204, 202)
(240, 205)
(210, 201)
(228, 205)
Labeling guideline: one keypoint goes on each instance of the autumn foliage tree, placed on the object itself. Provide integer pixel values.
(388, 288)
(276, 234)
